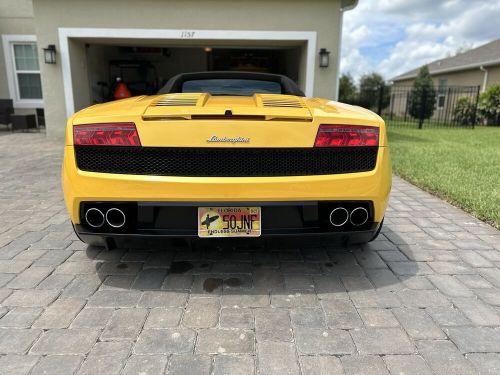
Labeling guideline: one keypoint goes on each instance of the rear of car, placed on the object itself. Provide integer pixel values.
(209, 165)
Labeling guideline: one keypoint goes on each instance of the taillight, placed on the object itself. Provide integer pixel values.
(116, 134)
(346, 136)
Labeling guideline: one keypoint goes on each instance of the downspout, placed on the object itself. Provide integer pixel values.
(485, 79)
(343, 8)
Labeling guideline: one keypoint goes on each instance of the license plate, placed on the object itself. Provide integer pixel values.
(228, 222)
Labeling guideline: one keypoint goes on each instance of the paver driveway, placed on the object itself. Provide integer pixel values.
(423, 298)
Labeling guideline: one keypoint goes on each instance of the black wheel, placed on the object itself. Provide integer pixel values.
(378, 231)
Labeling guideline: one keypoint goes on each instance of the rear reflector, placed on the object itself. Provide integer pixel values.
(346, 136)
(116, 134)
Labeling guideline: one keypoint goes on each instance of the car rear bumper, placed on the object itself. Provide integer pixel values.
(80, 187)
(145, 239)
(153, 222)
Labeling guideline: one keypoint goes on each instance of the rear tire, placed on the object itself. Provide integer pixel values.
(378, 230)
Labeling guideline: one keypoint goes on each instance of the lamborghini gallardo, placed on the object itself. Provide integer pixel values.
(225, 154)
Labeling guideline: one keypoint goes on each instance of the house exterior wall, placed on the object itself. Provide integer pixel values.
(16, 18)
(322, 16)
(470, 77)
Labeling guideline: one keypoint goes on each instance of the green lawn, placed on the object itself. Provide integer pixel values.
(461, 166)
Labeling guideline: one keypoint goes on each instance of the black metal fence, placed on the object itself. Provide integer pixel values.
(443, 106)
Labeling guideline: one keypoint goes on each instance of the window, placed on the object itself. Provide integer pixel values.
(23, 70)
(239, 87)
(441, 100)
(441, 97)
(27, 71)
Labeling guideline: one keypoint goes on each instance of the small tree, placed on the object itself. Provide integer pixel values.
(372, 92)
(489, 105)
(348, 93)
(464, 111)
(422, 97)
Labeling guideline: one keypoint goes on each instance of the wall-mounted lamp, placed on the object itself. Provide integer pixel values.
(324, 58)
(49, 54)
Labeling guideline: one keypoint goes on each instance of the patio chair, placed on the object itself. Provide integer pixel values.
(6, 110)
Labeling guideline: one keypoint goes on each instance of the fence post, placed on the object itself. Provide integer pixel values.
(423, 104)
(474, 118)
(407, 104)
(380, 100)
(392, 98)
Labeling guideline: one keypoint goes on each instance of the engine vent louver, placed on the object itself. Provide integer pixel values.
(177, 101)
(282, 101)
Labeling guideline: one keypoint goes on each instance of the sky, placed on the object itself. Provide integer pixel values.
(393, 36)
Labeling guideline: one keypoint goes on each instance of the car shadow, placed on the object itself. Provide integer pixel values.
(276, 267)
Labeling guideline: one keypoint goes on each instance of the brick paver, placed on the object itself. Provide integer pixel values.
(423, 298)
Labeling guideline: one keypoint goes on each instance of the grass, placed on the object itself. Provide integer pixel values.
(461, 166)
(413, 124)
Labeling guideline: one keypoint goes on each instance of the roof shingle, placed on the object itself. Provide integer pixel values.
(483, 55)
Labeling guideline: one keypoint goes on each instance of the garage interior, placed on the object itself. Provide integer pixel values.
(146, 68)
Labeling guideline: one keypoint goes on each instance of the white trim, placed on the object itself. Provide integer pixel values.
(8, 40)
(339, 52)
(175, 34)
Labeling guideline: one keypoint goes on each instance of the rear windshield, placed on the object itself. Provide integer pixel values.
(238, 87)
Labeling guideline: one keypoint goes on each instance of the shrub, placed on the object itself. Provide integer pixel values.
(422, 96)
(464, 111)
(489, 105)
(348, 93)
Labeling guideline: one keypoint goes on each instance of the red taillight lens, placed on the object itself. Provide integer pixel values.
(346, 136)
(118, 134)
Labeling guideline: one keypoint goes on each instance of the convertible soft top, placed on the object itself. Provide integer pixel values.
(175, 84)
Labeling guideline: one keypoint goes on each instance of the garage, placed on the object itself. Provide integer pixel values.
(144, 60)
(146, 68)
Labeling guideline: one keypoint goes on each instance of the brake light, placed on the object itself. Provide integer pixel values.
(116, 134)
(346, 136)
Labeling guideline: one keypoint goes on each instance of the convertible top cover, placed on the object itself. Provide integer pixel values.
(231, 83)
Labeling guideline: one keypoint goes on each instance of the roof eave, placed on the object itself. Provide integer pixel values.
(448, 70)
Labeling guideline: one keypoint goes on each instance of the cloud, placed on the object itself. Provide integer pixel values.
(394, 36)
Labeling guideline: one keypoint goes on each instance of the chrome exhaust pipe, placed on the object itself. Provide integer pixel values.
(339, 216)
(115, 217)
(94, 217)
(358, 216)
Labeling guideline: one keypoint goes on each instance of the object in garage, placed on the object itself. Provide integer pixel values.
(121, 90)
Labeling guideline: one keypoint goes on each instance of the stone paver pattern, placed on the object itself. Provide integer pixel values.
(423, 298)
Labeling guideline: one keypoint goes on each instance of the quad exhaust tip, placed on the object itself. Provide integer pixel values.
(339, 216)
(358, 216)
(94, 217)
(115, 217)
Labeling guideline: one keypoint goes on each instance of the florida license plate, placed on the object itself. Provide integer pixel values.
(229, 222)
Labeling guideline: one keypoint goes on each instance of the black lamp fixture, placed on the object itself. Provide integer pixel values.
(324, 58)
(49, 54)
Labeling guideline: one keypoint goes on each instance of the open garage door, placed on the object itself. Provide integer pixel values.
(144, 69)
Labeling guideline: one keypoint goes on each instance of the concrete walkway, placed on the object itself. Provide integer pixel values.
(424, 298)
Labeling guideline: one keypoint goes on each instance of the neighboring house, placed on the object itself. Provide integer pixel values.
(477, 67)
(464, 75)
(148, 41)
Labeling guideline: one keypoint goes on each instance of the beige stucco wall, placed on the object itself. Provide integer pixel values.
(16, 17)
(322, 16)
(471, 77)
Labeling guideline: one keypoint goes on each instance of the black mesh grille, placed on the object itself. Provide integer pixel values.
(225, 162)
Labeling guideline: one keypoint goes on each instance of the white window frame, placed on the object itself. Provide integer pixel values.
(8, 42)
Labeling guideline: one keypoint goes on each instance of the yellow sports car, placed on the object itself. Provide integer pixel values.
(225, 154)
